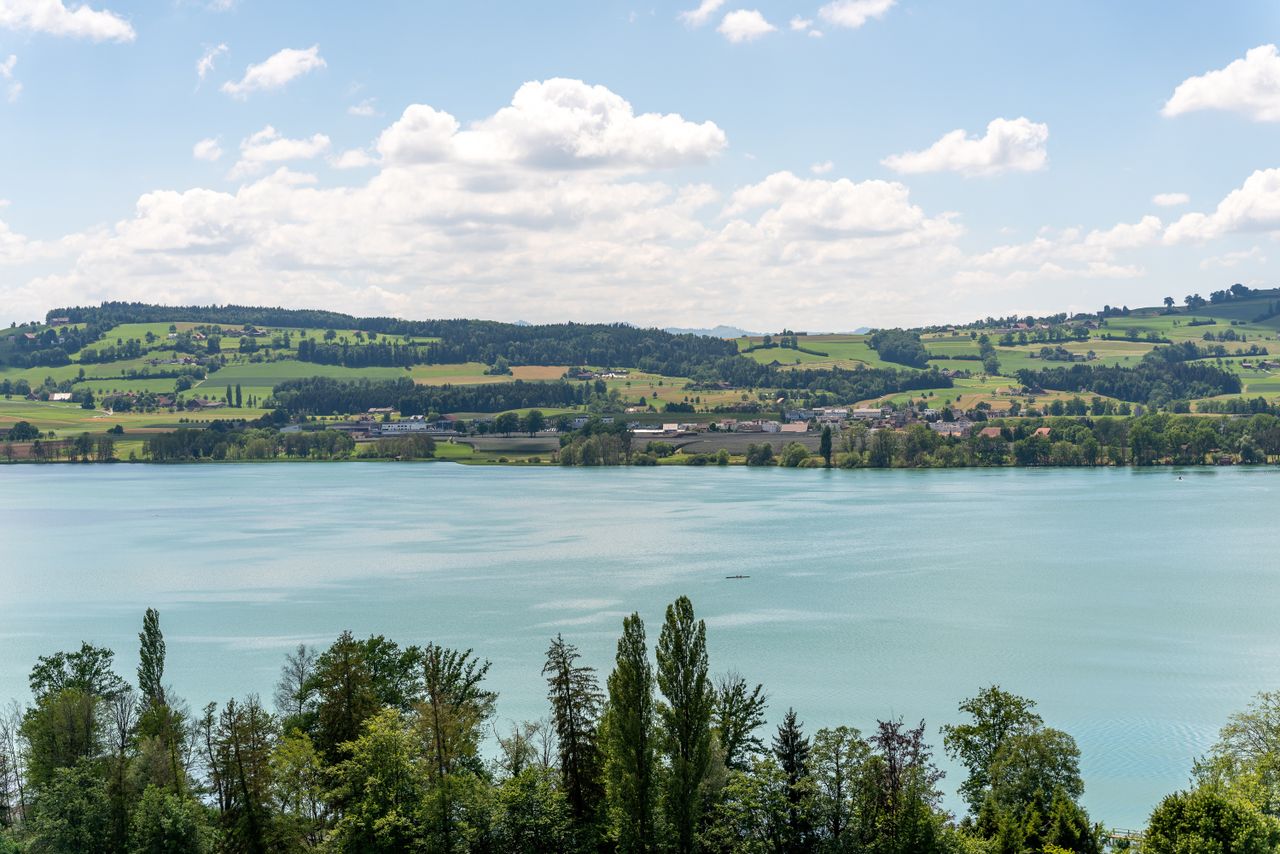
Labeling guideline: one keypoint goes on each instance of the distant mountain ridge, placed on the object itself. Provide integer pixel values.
(720, 331)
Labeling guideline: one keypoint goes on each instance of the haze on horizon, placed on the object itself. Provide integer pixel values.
(824, 165)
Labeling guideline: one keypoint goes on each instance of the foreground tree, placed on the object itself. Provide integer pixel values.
(1204, 821)
(630, 755)
(685, 716)
(737, 714)
(575, 712)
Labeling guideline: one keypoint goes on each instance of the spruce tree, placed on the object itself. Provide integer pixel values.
(791, 749)
(575, 710)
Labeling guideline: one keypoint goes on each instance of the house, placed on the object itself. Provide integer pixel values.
(59, 321)
(989, 433)
(172, 335)
(798, 414)
(380, 410)
(770, 427)
(198, 336)
(794, 427)
(30, 336)
(867, 414)
(389, 428)
(1041, 431)
(60, 396)
(951, 428)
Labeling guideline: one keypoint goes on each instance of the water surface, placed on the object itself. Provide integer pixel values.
(1137, 609)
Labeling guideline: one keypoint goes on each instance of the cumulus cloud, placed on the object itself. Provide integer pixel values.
(551, 207)
(205, 63)
(1170, 200)
(822, 168)
(267, 146)
(1249, 86)
(275, 71)
(353, 158)
(699, 16)
(207, 149)
(553, 124)
(744, 25)
(52, 17)
(1009, 145)
(1252, 207)
(852, 14)
(1070, 253)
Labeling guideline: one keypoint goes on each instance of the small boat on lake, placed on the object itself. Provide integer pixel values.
(737, 576)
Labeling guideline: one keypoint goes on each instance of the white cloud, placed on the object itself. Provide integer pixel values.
(744, 25)
(364, 109)
(822, 168)
(699, 16)
(275, 71)
(800, 24)
(12, 87)
(553, 124)
(267, 146)
(1231, 260)
(52, 17)
(1253, 207)
(1065, 255)
(353, 158)
(1170, 200)
(551, 207)
(207, 149)
(1009, 145)
(206, 61)
(557, 207)
(854, 13)
(1250, 86)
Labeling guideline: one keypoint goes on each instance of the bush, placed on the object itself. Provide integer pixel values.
(793, 455)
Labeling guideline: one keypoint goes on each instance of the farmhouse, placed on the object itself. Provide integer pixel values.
(794, 427)
(951, 428)
(59, 321)
(989, 433)
(60, 396)
(1041, 431)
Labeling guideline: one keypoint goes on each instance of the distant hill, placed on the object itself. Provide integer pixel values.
(713, 332)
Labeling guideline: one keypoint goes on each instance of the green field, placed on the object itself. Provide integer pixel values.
(845, 351)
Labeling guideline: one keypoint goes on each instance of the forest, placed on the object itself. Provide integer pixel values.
(373, 746)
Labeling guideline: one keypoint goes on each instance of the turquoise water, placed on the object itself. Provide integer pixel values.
(1139, 610)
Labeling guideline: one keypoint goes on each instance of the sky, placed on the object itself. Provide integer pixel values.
(812, 165)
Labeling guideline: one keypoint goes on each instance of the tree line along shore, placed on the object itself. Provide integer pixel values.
(1189, 384)
(372, 746)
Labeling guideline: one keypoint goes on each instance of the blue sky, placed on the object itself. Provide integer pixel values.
(819, 165)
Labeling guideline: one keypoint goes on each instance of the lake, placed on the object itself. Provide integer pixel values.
(1139, 610)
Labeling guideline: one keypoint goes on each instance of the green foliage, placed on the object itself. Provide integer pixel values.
(901, 346)
(73, 813)
(630, 749)
(1205, 821)
(165, 823)
(685, 716)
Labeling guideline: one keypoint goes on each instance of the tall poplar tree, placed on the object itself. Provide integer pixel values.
(151, 659)
(630, 757)
(685, 715)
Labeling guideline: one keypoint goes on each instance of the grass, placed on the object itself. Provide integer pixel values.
(69, 418)
(473, 373)
(845, 351)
